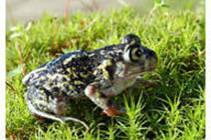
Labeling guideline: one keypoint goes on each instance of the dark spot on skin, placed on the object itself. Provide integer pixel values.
(55, 89)
(78, 88)
(47, 92)
(110, 102)
(64, 79)
(111, 70)
(39, 118)
(60, 98)
(102, 95)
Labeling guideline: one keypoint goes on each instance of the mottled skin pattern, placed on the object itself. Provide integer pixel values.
(98, 75)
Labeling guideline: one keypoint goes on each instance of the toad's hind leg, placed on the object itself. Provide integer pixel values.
(102, 100)
(46, 115)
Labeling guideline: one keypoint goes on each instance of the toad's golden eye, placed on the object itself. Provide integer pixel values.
(135, 54)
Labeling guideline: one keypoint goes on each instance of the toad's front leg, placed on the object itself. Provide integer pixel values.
(93, 92)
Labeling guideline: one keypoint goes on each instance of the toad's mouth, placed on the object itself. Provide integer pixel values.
(135, 73)
(140, 70)
(151, 68)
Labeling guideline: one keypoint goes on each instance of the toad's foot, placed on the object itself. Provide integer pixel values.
(112, 111)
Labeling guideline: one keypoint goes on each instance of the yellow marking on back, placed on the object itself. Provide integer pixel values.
(66, 61)
(103, 66)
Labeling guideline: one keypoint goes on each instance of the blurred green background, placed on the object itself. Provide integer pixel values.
(25, 10)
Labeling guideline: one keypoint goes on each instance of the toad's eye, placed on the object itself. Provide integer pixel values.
(135, 55)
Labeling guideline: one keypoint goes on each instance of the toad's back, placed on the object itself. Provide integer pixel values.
(69, 74)
(65, 76)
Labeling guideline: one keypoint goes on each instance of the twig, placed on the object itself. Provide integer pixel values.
(66, 11)
(89, 7)
(55, 30)
(95, 5)
(122, 2)
(89, 25)
(152, 11)
(11, 87)
(12, 137)
(20, 56)
(9, 7)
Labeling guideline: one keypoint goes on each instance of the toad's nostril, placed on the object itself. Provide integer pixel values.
(150, 54)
